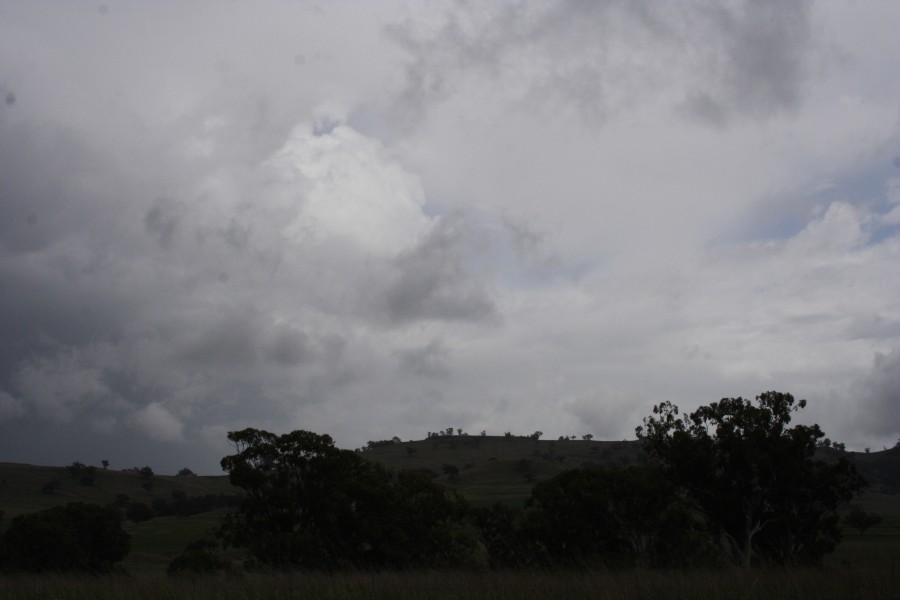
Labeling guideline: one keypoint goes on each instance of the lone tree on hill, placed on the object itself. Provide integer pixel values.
(752, 476)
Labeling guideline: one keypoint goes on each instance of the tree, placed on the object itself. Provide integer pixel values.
(138, 512)
(451, 471)
(185, 472)
(74, 537)
(105, 464)
(309, 504)
(623, 517)
(752, 476)
(861, 520)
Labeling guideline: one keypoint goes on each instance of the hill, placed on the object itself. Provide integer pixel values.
(491, 468)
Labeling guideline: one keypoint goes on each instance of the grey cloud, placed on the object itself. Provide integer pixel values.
(162, 220)
(432, 281)
(759, 54)
(596, 58)
(431, 360)
(880, 395)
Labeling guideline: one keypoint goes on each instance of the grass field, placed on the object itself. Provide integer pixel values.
(783, 584)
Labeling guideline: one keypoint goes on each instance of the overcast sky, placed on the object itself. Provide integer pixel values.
(372, 219)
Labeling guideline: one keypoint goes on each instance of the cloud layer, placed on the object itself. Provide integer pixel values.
(375, 221)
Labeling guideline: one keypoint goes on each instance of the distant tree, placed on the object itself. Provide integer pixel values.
(752, 476)
(105, 464)
(525, 469)
(459, 431)
(537, 435)
(484, 433)
(588, 436)
(185, 472)
(145, 471)
(861, 520)
(396, 440)
(868, 450)
(451, 471)
(51, 486)
(138, 512)
(74, 537)
(83, 473)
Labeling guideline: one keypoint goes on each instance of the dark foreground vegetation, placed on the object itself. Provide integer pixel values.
(728, 501)
(755, 584)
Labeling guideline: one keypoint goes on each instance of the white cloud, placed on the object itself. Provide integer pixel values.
(159, 423)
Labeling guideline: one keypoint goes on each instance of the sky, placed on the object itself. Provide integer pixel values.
(377, 219)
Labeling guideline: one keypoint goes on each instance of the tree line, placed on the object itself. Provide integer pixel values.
(730, 483)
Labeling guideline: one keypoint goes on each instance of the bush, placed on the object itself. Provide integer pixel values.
(197, 558)
(74, 537)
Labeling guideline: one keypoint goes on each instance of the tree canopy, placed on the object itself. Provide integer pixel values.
(752, 476)
(309, 504)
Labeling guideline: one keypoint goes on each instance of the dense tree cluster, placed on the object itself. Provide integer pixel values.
(309, 504)
(729, 480)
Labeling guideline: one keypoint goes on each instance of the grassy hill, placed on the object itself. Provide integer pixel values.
(491, 468)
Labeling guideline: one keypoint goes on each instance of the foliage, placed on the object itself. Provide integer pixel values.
(185, 472)
(198, 558)
(138, 512)
(309, 504)
(622, 517)
(861, 520)
(77, 536)
(753, 477)
(83, 473)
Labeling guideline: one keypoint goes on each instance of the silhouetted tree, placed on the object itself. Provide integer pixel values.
(185, 472)
(752, 476)
(309, 504)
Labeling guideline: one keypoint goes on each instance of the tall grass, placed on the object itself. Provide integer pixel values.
(769, 584)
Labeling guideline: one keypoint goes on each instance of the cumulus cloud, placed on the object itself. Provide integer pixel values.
(376, 220)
